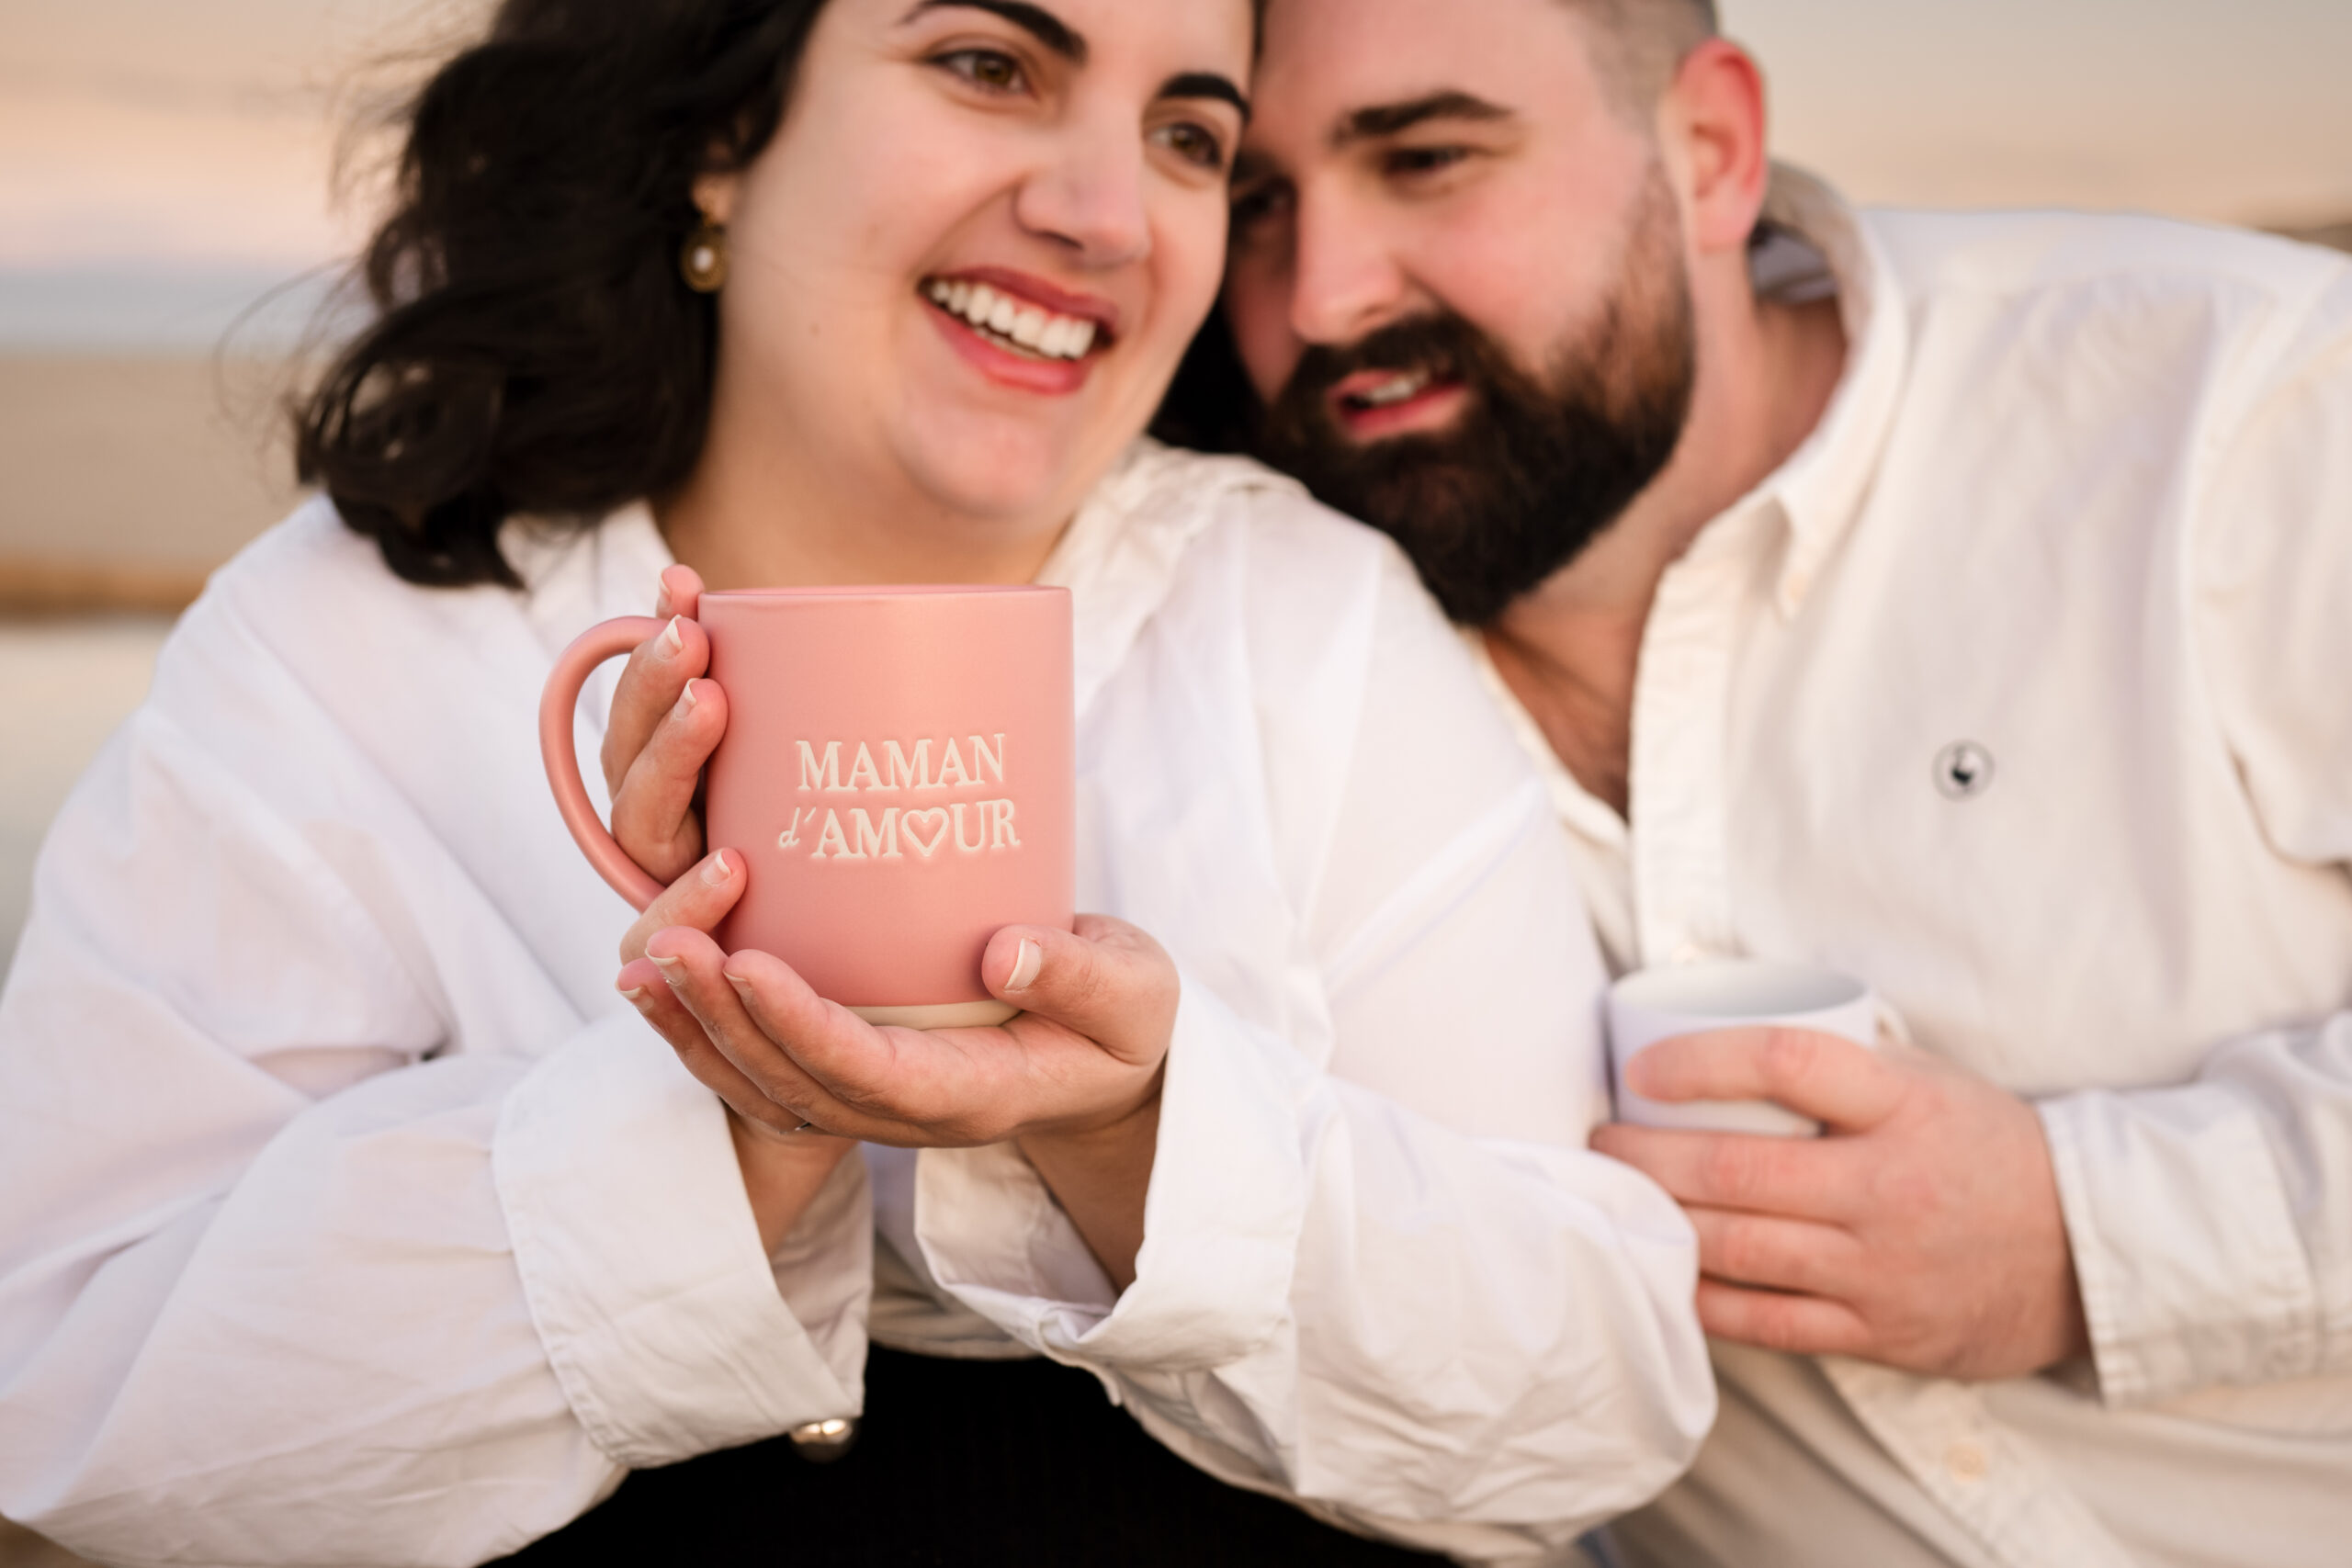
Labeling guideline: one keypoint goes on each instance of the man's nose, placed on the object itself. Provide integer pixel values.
(1089, 194)
(1345, 280)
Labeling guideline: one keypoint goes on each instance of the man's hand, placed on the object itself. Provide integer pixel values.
(1922, 1230)
(1074, 1078)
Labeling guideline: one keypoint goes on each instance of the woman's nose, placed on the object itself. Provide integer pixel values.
(1089, 196)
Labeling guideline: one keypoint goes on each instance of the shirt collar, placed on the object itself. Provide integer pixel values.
(1821, 488)
(1118, 556)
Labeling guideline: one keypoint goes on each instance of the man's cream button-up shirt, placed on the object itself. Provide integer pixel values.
(2024, 691)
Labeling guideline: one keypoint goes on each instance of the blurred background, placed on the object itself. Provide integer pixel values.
(167, 232)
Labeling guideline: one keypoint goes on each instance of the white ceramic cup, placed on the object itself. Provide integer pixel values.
(1651, 1005)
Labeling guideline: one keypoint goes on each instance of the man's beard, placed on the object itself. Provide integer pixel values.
(1532, 470)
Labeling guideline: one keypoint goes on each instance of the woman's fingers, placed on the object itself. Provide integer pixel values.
(653, 811)
(656, 672)
(893, 1078)
(700, 898)
(678, 592)
(691, 964)
(641, 983)
(1106, 980)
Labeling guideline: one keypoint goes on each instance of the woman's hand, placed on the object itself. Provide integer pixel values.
(666, 721)
(1074, 1079)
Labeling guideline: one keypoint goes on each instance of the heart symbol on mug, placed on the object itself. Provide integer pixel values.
(936, 815)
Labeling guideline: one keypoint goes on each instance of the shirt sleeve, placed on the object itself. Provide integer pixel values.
(2211, 1221)
(285, 1277)
(1381, 1275)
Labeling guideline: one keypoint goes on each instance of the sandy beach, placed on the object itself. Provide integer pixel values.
(128, 478)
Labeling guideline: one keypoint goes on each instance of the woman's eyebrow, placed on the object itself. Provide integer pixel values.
(1035, 20)
(1206, 85)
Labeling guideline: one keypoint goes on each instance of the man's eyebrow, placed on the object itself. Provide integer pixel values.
(1035, 20)
(1206, 85)
(1387, 120)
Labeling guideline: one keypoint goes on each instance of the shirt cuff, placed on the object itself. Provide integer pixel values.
(2191, 1269)
(640, 1258)
(1221, 1220)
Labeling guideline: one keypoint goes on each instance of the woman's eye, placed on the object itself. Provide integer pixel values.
(987, 68)
(1193, 143)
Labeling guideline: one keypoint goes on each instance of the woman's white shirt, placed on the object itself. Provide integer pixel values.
(348, 1215)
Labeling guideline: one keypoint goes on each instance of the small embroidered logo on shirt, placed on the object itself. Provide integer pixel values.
(1964, 771)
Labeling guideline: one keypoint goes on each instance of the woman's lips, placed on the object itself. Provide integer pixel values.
(1020, 331)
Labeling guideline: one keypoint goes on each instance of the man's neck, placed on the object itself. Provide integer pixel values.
(1570, 649)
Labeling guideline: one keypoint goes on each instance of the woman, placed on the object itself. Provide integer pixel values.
(349, 1212)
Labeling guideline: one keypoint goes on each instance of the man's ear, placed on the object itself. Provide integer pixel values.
(1713, 114)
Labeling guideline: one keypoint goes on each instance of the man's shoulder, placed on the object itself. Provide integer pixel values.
(1937, 256)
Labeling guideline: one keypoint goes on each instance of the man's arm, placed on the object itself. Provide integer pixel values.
(2185, 1235)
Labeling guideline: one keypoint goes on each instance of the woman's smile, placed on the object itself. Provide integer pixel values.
(1020, 331)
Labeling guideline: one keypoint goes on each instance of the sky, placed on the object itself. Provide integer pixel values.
(181, 150)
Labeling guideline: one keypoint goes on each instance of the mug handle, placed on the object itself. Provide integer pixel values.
(557, 703)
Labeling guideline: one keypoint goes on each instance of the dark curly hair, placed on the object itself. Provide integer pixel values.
(534, 348)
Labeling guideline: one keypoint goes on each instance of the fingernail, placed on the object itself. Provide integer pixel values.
(634, 993)
(1025, 965)
(673, 970)
(686, 700)
(716, 872)
(742, 987)
(671, 638)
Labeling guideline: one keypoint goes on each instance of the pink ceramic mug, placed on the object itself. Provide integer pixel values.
(898, 773)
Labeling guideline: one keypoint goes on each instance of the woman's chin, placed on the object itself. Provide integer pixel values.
(1011, 476)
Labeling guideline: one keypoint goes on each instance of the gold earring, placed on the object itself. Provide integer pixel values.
(702, 261)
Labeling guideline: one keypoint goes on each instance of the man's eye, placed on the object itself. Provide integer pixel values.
(1193, 143)
(1410, 162)
(1259, 204)
(988, 68)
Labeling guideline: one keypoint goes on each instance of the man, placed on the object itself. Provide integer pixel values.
(1957, 601)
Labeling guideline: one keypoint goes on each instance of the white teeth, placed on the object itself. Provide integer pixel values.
(1396, 391)
(1042, 333)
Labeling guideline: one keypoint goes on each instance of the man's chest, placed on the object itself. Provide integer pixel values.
(1978, 767)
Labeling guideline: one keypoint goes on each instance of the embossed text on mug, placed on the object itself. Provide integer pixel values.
(889, 831)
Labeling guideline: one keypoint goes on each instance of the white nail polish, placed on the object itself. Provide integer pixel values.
(716, 873)
(672, 639)
(1025, 965)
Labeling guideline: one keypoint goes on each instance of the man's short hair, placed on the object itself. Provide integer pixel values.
(1639, 44)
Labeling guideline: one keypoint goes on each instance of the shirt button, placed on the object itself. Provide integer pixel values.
(1967, 1462)
(821, 1443)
